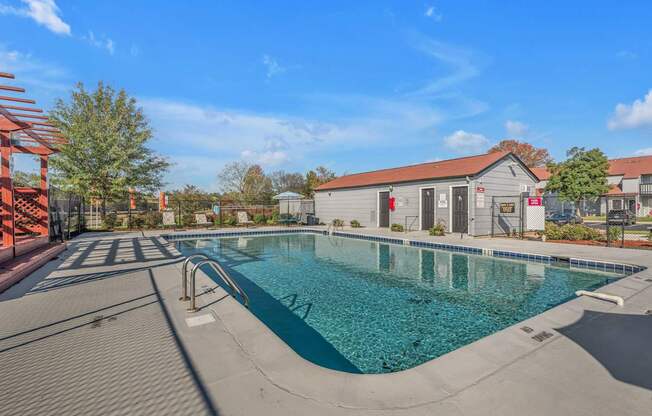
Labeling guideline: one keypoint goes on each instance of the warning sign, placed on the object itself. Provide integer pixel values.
(507, 207)
(535, 202)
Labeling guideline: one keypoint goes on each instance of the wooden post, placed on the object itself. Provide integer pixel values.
(43, 198)
(6, 188)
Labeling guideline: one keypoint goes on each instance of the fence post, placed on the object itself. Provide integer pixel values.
(492, 216)
(221, 218)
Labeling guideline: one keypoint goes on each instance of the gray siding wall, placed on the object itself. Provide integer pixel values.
(361, 203)
(503, 179)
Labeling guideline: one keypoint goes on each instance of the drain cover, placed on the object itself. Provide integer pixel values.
(527, 329)
(541, 336)
(648, 312)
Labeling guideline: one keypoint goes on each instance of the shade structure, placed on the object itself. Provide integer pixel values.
(24, 129)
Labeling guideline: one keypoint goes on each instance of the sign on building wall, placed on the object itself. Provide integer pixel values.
(507, 207)
(442, 202)
(479, 200)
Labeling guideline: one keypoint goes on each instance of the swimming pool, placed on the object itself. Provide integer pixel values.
(368, 307)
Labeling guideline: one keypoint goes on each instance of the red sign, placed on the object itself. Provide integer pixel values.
(535, 202)
(392, 204)
(479, 189)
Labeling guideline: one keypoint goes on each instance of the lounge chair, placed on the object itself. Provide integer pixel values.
(243, 219)
(201, 220)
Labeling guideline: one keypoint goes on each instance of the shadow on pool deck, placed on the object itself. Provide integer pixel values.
(619, 342)
(101, 343)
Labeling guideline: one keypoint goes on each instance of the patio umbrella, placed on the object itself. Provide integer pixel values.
(288, 196)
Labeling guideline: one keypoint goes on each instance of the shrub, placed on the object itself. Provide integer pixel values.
(259, 219)
(649, 236)
(338, 222)
(232, 221)
(438, 230)
(110, 220)
(271, 221)
(153, 219)
(136, 221)
(275, 216)
(571, 232)
(614, 234)
(355, 224)
(396, 227)
(187, 219)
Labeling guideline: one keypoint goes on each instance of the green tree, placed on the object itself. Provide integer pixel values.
(107, 153)
(316, 177)
(582, 175)
(26, 179)
(191, 199)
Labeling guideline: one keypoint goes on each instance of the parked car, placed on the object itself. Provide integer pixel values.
(621, 216)
(563, 218)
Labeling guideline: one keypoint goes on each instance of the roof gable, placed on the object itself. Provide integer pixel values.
(461, 167)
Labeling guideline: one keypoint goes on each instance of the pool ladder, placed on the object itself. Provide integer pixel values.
(232, 284)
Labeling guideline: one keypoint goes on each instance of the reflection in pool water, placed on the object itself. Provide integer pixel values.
(367, 307)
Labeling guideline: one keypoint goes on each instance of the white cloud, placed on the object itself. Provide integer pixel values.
(43, 12)
(466, 143)
(273, 67)
(433, 13)
(46, 78)
(462, 62)
(629, 116)
(627, 54)
(644, 152)
(516, 129)
(102, 43)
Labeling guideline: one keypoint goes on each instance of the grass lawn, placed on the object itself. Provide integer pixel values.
(604, 218)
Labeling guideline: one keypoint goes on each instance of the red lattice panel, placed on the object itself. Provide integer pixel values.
(28, 212)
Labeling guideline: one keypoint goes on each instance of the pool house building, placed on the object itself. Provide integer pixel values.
(457, 193)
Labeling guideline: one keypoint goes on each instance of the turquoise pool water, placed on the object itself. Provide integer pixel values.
(368, 307)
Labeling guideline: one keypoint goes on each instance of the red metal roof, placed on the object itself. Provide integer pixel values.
(629, 167)
(465, 166)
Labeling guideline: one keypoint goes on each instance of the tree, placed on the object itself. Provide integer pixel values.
(316, 177)
(26, 179)
(532, 157)
(283, 181)
(582, 175)
(107, 153)
(245, 182)
(192, 199)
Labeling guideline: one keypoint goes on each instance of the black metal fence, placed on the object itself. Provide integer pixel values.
(145, 212)
(66, 211)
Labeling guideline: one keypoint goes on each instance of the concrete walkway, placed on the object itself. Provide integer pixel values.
(100, 331)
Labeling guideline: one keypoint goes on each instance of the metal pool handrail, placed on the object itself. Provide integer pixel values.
(184, 274)
(223, 275)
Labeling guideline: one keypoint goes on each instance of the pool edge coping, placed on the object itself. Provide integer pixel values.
(403, 389)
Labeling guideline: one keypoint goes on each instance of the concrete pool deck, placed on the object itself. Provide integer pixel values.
(100, 330)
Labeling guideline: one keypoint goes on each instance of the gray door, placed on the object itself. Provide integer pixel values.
(460, 210)
(383, 212)
(427, 208)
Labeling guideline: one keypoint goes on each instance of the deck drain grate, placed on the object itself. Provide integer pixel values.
(541, 336)
(527, 329)
(648, 312)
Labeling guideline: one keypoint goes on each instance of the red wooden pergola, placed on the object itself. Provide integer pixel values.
(24, 129)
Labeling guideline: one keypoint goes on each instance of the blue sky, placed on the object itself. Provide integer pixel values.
(350, 85)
